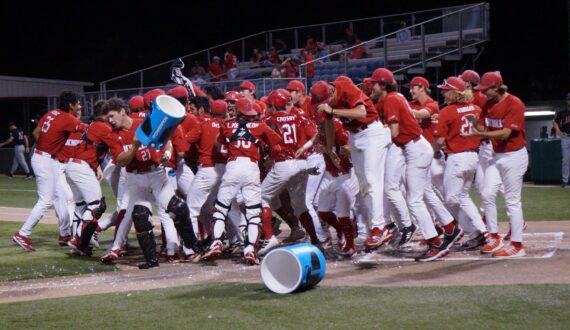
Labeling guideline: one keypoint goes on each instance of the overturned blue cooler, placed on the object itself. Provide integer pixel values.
(292, 268)
(160, 123)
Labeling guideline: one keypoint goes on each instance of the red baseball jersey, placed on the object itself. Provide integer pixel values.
(55, 127)
(349, 96)
(307, 107)
(479, 99)
(293, 129)
(144, 157)
(242, 147)
(190, 123)
(396, 109)
(71, 144)
(508, 113)
(138, 115)
(205, 138)
(94, 143)
(452, 125)
(425, 124)
(179, 145)
(340, 139)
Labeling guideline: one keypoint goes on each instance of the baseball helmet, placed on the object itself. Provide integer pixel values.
(246, 84)
(470, 76)
(279, 98)
(320, 92)
(295, 86)
(136, 102)
(232, 96)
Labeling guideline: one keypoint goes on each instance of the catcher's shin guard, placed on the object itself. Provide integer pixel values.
(219, 216)
(182, 221)
(253, 227)
(145, 236)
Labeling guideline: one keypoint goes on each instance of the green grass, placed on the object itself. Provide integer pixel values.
(19, 192)
(49, 259)
(252, 306)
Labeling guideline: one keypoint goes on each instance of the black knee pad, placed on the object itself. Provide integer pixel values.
(97, 208)
(141, 218)
(179, 208)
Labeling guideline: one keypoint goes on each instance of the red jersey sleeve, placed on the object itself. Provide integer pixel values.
(178, 141)
(73, 125)
(514, 118)
(442, 123)
(270, 136)
(194, 134)
(392, 110)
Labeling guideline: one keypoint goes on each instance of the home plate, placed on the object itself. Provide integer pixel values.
(537, 246)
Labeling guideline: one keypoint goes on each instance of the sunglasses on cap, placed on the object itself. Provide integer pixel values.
(446, 84)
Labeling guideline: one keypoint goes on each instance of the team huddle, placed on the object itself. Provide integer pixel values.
(361, 161)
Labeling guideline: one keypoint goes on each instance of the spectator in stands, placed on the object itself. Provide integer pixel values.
(404, 34)
(311, 46)
(358, 52)
(21, 148)
(322, 51)
(214, 93)
(230, 63)
(278, 71)
(197, 70)
(215, 70)
(280, 45)
(342, 58)
(256, 58)
(291, 67)
(274, 56)
(309, 67)
(561, 124)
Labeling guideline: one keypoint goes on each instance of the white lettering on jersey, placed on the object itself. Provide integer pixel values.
(72, 142)
(465, 109)
(286, 118)
(494, 123)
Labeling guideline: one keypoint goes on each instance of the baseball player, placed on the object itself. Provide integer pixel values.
(51, 134)
(461, 154)
(242, 136)
(338, 192)
(145, 178)
(368, 141)
(561, 125)
(423, 109)
(83, 174)
(418, 155)
(503, 123)
(136, 105)
(231, 98)
(212, 163)
(289, 171)
(21, 148)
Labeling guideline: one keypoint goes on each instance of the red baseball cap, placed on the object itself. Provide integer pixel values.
(245, 107)
(264, 99)
(151, 95)
(490, 79)
(218, 107)
(470, 76)
(382, 75)
(232, 96)
(280, 98)
(246, 84)
(178, 92)
(453, 83)
(296, 86)
(320, 92)
(136, 102)
(420, 81)
(343, 78)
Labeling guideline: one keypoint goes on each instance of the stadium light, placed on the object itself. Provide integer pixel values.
(539, 113)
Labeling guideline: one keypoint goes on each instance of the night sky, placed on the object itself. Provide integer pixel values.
(96, 40)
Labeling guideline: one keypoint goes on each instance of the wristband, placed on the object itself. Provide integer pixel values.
(308, 144)
(168, 154)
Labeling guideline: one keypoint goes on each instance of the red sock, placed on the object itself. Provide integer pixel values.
(266, 223)
(436, 240)
(202, 231)
(331, 219)
(347, 230)
(495, 235)
(448, 229)
(307, 223)
(517, 245)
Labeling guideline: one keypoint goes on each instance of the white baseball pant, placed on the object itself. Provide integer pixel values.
(51, 188)
(184, 177)
(338, 194)
(368, 149)
(20, 158)
(393, 178)
(508, 168)
(312, 192)
(291, 175)
(203, 191)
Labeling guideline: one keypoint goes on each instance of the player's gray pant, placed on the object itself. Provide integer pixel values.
(565, 143)
(20, 158)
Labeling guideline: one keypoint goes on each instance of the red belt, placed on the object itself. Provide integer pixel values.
(337, 174)
(43, 153)
(235, 158)
(412, 140)
(77, 161)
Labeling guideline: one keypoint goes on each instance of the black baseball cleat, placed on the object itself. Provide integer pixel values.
(449, 240)
(150, 264)
(407, 233)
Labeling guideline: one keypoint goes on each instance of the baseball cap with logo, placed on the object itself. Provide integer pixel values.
(470, 76)
(453, 83)
(245, 107)
(320, 92)
(490, 79)
(295, 86)
(420, 81)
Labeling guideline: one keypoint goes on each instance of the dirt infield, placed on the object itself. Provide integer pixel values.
(548, 261)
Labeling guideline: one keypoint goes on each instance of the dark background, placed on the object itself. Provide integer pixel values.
(96, 40)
